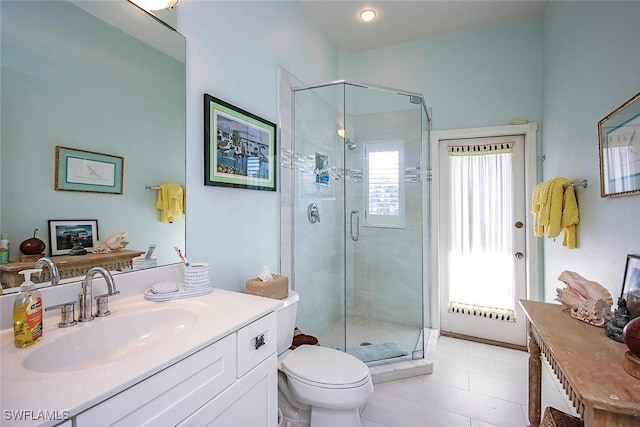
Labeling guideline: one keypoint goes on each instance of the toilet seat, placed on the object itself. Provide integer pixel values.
(325, 368)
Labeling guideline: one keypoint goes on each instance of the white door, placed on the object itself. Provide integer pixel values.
(482, 233)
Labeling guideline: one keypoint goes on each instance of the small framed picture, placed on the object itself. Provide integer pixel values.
(239, 147)
(67, 235)
(80, 170)
(631, 285)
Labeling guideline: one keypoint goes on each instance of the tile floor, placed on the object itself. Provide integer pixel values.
(472, 385)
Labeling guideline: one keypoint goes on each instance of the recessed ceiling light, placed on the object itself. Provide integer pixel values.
(150, 5)
(367, 15)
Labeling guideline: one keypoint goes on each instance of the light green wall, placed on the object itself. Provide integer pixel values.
(565, 70)
(69, 79)
(472, 78)
(234, 51)
(591, 65)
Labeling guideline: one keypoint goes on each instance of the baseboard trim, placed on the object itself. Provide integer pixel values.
(483, 341)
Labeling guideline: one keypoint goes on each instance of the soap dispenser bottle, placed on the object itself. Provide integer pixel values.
(27, 312)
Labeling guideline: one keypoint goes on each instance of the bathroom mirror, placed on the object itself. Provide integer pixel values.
(99, 76)
(619, 140)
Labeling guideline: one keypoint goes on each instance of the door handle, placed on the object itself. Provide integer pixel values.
(356, 214)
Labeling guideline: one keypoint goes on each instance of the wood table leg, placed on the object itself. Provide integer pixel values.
(535, 380)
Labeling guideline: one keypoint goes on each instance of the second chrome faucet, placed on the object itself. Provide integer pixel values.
(85, 303)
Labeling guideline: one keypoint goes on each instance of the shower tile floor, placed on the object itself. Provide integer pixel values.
(361, 330)
(472, 385)
(364, 330)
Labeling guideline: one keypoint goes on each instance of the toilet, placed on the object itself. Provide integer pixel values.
(318, 386)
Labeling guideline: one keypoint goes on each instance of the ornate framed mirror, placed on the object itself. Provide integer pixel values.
(619, 141)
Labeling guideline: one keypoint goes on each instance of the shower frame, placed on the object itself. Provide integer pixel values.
(425, 179)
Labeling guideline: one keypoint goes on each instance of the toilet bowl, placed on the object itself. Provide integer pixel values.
(332, 383)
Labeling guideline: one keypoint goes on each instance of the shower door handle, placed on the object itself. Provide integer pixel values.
(355, 236)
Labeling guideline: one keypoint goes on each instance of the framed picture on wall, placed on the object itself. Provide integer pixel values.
(239, 147)
(88, 171)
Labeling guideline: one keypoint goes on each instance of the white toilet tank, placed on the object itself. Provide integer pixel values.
(286, 320)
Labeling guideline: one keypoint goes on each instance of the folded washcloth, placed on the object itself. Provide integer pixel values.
(170, 202)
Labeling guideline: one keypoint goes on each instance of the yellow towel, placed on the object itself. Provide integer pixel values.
(570, 218)
(170, 202)
(554, 209)
(547, 207)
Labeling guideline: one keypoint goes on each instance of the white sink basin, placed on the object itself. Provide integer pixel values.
(109, 339)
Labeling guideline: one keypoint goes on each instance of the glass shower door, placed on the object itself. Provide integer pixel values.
(317, 204)
(383, 224)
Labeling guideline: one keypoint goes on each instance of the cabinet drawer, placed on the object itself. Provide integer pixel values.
(256, 342)
(172, 394)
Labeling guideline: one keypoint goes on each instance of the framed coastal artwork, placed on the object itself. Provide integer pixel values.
(88, 171)
(239, 147)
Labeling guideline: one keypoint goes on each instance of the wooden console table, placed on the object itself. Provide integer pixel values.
(68, 266)
(589, 365)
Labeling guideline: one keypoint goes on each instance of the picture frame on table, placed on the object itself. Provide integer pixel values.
(631, 284)
(65, 235)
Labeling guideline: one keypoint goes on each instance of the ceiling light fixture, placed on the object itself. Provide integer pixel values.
(367, 15)
(150, 5)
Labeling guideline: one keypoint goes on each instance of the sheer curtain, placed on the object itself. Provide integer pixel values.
(622, 168)
(481, 273)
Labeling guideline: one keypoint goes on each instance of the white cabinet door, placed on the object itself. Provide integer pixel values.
(250, 401)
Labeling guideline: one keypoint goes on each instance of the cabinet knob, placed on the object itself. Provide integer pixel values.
(260, 341)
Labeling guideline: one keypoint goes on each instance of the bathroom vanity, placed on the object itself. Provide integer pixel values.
(207, 360)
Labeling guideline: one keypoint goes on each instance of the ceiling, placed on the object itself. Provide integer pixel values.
(400, 21)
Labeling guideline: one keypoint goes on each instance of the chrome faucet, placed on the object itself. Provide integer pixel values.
(53, 269)
(85, 303)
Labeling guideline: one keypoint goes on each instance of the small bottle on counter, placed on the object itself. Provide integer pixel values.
(27, 312)
(4, 249)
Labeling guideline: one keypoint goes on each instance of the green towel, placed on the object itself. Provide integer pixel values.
(374, 352)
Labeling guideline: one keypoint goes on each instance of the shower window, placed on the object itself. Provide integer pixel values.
(385, 184)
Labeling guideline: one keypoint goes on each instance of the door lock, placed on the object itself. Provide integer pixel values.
(519, 255)
(519, 224)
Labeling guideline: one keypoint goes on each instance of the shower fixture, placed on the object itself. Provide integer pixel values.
(350, 145)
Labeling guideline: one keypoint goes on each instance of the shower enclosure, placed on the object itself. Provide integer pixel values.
(355, 209)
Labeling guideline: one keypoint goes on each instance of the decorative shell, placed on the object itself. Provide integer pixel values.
(592, 312)
(588, 301)
(112, 243)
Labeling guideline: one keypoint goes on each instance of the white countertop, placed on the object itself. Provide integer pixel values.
(221, 313)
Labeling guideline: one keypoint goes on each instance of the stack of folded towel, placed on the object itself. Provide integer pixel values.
(554, 209)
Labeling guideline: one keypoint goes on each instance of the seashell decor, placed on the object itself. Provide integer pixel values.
(588, 301)
(113, 243)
